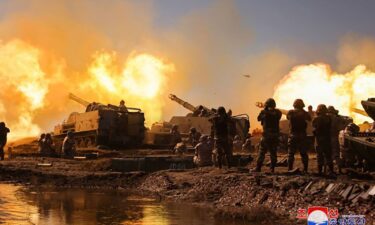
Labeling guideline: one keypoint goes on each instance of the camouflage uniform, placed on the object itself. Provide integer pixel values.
(3, 138)
(220, 131)
(322, 133)
(335, 130)
(203, 153)
(269, 118)
(298, 118)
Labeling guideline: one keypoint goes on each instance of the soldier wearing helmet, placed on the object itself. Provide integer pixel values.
(322, 132)
(269, 117)
(176, 136)
(298, 121)
(336, 127)
(194, 136)
(220, 132)
(3, 138)
(69, 146)
(122, 106)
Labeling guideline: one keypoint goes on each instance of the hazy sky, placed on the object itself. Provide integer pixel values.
(287, 24)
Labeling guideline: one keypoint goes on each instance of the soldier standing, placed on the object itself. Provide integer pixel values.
(335, 131)
(270, 119)
(231, 131)
(40, 144)
(3, 138)
(322, 133)
(69, 146)
(298, 118)
(220, 132)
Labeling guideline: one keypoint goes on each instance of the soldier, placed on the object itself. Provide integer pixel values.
(298, 118)
(269, 118)
(48, 146)
(198, 110)
(335, 130)
(69, 147)
(122, 106)
(176, 136)
(3, 138)
(347, 154)
(231, 131)
(40, 144)
(194, 136)
(237, 143)
(310, 111)
(322, 133)
(203, 152)
(247, 146)
(220, 132)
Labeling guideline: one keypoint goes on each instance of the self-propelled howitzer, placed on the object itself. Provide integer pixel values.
(100, 124)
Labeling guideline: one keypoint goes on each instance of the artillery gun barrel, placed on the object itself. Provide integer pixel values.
(186, 105)
(359, 111)
(78, 100)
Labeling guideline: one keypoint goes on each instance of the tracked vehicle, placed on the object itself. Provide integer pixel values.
(159, 134)
(105, 125)
(362, 144)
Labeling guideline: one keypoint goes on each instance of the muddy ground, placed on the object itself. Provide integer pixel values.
(235, 192)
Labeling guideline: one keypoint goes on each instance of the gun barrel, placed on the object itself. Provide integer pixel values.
(360, 111)
(186, 105)
(78, 100)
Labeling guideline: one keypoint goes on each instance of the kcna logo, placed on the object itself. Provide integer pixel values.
(317, 215)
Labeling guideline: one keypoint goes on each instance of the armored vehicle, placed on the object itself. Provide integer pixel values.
(362, 144)
(100, 124)
(198, 117)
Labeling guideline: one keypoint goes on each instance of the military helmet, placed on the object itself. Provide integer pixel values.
(332, 110)
(270, 103)
(321, 109)
(174, 127)
(70, 133)
(298, 104)
(221, 110)
(122, 102)
(193, 129)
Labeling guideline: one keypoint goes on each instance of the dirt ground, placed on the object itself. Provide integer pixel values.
(235, 193)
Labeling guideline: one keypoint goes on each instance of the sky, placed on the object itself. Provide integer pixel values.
(211, 43)
(294, 26)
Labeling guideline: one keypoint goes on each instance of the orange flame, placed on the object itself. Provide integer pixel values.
(317, 84)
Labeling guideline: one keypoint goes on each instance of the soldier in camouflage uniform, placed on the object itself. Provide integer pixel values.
(269, 118)
(322, 133)
(298, 118)
(335, 130)
(220, 132)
